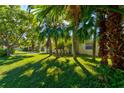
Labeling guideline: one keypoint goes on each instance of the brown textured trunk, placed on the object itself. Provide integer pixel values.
(116, 41)
(75, 11)
(74, 45)
(103, 50)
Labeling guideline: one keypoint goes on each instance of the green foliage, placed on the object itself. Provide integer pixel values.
(111, 77)
(14, 24)
(2, 52)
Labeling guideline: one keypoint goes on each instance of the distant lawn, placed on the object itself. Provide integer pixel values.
(41, 70)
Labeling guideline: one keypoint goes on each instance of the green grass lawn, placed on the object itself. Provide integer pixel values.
(41, 70)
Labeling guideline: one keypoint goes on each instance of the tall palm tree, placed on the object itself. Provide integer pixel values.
(45, 35)
(94, 44)
(75, 12)
(89, 30)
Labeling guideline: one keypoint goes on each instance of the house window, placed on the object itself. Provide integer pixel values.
(88, 46)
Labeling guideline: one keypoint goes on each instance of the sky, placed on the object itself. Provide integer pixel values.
(24, 7)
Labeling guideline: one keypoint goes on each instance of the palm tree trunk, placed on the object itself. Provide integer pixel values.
(103, 49)
(116, 41)
(50, 47)
(56, 47)
(32, 46)
(75, 11)
(63, 51)
(74, 45)
(94, 45)
(38, 46)
(48, 43)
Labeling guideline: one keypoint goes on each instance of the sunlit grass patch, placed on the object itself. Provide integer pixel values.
(79, 71)
(31, 60)
(28, 72)
(91, 70)
(2, 76)
(55, 72)
(88, 65)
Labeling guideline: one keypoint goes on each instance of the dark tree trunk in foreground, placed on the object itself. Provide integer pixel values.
(103, 49)
(116, 39)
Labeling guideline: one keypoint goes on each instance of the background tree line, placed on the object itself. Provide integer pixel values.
(61, 28)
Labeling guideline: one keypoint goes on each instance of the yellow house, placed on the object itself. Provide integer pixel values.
(87, 47)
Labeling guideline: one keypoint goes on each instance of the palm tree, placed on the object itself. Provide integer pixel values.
(103, 39)
(56, 11)
(76, 12)
(89, 30)
(111, 36)
(45, 35)
(94, 44)
(115, 32)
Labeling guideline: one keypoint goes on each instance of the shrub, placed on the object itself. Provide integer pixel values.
(111, 77)
(12, 51)
(2, 52)
(25, 49)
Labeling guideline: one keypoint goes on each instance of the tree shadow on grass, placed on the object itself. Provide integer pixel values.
(18, 78)
(83, 68)
(44, 58)
(88, 58)
(45, 74)
(13, 59)
(48, 73)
